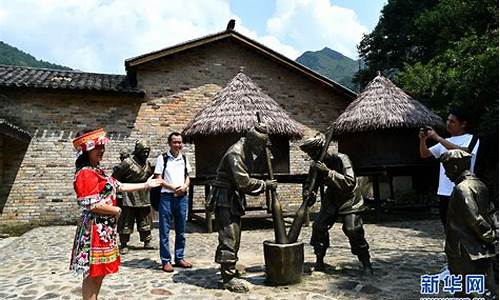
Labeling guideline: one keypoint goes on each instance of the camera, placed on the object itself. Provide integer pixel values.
(425, 129)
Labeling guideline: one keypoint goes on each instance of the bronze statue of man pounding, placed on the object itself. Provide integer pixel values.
(227, 198)
(342, 200)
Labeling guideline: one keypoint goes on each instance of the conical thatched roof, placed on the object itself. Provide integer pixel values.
(382, 105)
(234, 108)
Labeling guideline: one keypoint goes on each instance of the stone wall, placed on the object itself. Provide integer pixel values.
(38, 177)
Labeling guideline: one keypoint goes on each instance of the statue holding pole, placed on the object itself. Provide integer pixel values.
(227, 199)
(342, 200)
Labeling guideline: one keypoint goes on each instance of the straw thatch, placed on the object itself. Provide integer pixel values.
(234, 108)
(382, 105)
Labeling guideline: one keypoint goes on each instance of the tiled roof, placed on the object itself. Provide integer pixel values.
(28, 77)
(13, 131)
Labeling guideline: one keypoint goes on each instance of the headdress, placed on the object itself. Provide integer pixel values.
(89, 140)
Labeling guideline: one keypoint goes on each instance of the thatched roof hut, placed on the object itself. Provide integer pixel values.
(230, 115)
(383, 105)
(379, 128)
(234, 108)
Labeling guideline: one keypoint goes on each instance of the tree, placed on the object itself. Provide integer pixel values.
(442, 53)
(394, 41)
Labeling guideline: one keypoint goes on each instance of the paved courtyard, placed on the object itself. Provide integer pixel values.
(35, 266)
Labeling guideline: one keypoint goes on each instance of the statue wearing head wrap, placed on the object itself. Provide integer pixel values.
(472, 222)
(342, 200)
(135, 205)
(227, 198)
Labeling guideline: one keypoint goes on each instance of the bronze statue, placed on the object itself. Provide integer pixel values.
(119, 195)
(123, 155)
(472, 224)
(342, 199)
(302, 212)
(227, 199)
(135, 205)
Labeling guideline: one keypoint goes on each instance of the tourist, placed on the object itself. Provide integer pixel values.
(95, 249)
(456, 125)
(174, 168)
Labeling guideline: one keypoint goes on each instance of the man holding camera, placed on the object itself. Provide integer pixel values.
(457, 126)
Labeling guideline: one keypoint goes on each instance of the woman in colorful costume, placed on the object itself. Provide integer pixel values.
(95, 249)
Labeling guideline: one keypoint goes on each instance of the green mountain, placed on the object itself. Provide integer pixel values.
(333, 65)
(12, 56)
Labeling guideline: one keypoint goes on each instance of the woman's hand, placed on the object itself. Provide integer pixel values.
(118, 211)
(153, 182)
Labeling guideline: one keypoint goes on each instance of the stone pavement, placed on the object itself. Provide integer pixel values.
(35, 266)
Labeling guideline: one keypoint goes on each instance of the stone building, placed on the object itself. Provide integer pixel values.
(41, 110)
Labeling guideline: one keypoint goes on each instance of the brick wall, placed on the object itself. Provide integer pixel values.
(179, 85)
(38, 179)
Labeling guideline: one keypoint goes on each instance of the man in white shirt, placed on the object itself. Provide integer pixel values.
(174, 168)
(456, 125)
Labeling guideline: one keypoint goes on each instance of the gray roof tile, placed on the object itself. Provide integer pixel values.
(28, 77)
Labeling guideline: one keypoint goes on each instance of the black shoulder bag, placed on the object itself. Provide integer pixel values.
(155, 193)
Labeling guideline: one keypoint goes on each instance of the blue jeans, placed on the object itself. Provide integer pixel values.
(172, 208)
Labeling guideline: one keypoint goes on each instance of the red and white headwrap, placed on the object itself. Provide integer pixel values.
(89, 140)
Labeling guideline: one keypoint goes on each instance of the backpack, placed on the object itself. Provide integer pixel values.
(471, 147)
(155, 193)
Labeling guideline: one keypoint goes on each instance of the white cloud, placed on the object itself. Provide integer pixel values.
(314, 24)
(98, 35)
(269, 41)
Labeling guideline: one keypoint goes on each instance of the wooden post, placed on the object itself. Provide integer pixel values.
(376, 196)
(190, 200)
(208, 215)
(277, 212)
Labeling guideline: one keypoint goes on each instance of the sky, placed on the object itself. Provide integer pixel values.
(98, 35)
